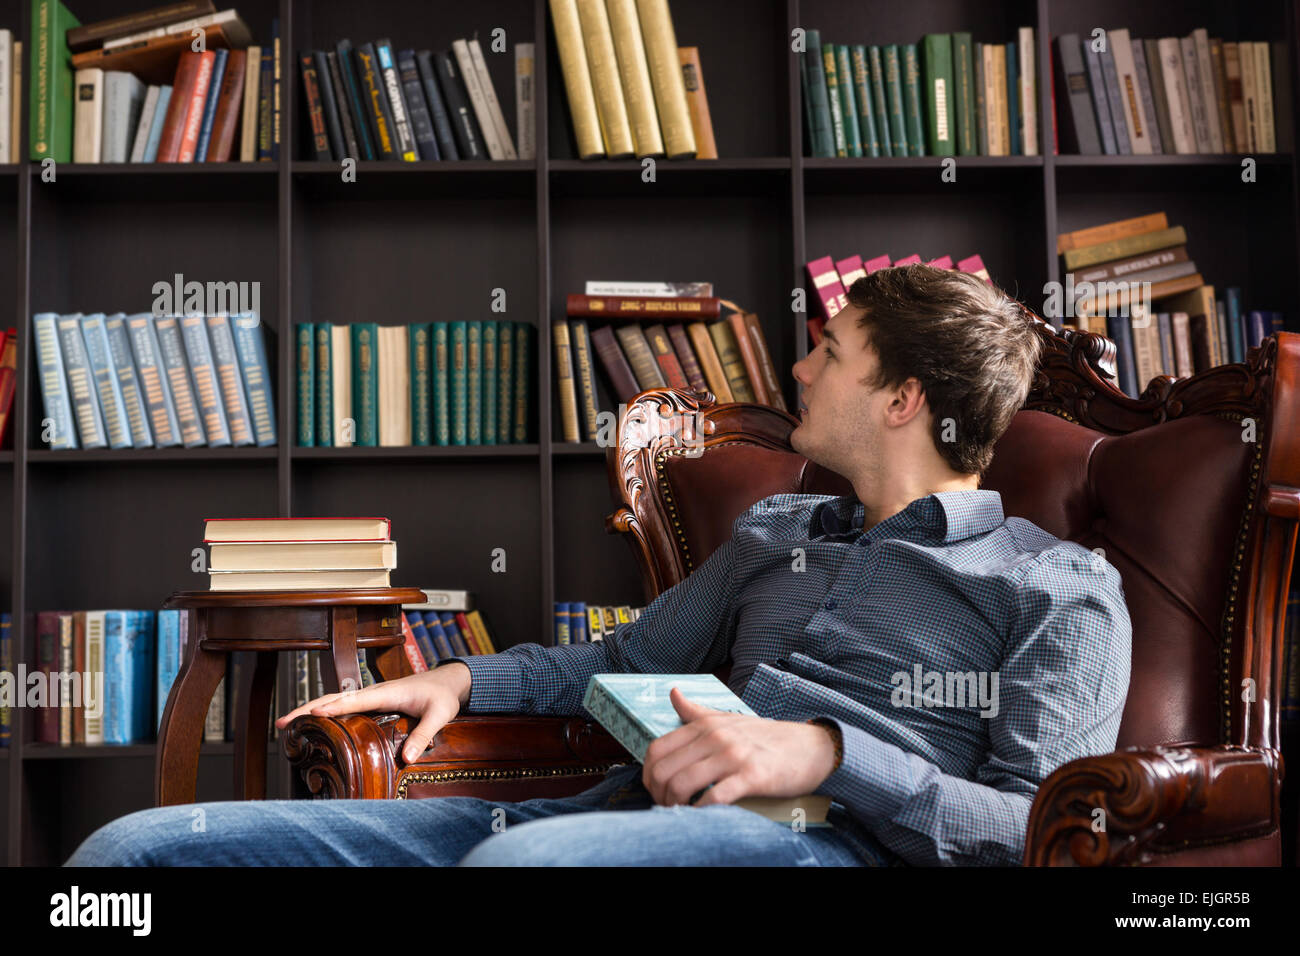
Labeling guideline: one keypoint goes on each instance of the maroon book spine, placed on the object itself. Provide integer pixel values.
(686, 355)
(178, 107)
(642, 307)
(664, 355)
(47, 660)
(615, 363)
(315, 110)
(230, 100)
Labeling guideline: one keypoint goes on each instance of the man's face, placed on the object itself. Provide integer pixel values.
(842, 418)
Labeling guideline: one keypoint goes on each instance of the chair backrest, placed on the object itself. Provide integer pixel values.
(1190, 491)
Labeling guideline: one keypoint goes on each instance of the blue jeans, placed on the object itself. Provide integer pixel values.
(613, 823)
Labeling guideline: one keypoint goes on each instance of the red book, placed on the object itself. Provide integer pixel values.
(188, 69)
(871, 265)
(47, 660)
(850, 271)
(230, 100)
(640, 306)
(662, 347)
(8, 369)
(411, 648)
(975, 266)
(467, 632)
(198, 99)
(686, 357)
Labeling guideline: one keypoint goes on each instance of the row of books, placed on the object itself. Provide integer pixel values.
(577, 622)
(141, 88)
(1194, 94)
(11, 101)
(944, 96)
(145, 381)
(426, 383)
(631, 89)
(374, 103)
(728, 355)
(831, 279)
(275, 554)
(8, 378)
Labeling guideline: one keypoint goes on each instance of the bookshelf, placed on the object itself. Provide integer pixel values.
(93, 529)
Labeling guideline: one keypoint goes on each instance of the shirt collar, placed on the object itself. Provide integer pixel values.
(945, 516)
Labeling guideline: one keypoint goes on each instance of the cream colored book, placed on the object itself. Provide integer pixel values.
(1180, 109)
(296, 580)
(1135, 117)
(603, 65)
(341, 385)
(1028, 81)
(666, 77)
(577, 78)
(88, 115)
(525, 106)
(477, 101)
(1249, 97)
(6, 93)
(248, 129)
(295, 529)
(394, 385)
(490, 100)
(634, 77)
(302, 555)
(1264, 96)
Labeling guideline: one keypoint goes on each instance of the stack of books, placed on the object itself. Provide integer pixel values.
(631, 90)
(946, 96)
(134, 89)
(425, 383)
(725, 354)
(577, 622)
(276, 554)
(11, 88)
(1192, 94)
(1117, 272)
(145, 381)
(831, 279)
(377, 103)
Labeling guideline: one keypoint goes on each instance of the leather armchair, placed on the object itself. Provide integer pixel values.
(1190, 489)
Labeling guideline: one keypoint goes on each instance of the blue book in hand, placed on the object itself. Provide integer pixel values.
(636, 709)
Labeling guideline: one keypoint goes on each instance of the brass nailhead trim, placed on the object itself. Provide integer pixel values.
(446, 776)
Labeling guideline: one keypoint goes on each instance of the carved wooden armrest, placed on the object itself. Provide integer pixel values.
(495, 756)
(1153, 802)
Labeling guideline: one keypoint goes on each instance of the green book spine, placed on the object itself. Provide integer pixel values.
(523, 381)
(459, 385)
(833, 98)
(940, 121)
(964, 76)
(474, 372)
(894, 91)
(912, 99)
(822, 139)
(489, 354)
(866, 102)
(1015, 128)
(421, 383)
(505, 381)
(981, 124)
(365, 383)
(324, 386)
(441, 385)
(50, 93)
(848, 100)
(876, 62)
(306, 385)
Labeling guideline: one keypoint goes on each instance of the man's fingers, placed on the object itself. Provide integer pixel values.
(727, 790)
(418, 739)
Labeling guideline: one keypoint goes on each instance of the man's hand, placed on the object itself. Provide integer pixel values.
(435, 696)
(743, 756)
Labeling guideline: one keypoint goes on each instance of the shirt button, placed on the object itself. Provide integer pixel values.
(830, 604)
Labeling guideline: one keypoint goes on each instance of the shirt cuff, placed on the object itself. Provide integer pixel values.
(874, 778)
(496, 683)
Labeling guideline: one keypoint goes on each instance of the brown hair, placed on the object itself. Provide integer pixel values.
(971, 346)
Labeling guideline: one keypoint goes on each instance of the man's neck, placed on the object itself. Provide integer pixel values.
(884, 499)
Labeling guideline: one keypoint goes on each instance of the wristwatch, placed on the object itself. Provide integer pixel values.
(836, 736)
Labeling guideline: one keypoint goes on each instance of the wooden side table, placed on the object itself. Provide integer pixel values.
(339, 622)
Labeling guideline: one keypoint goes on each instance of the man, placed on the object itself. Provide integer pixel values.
(914, 654)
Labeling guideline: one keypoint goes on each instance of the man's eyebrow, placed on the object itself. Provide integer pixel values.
(827, 333)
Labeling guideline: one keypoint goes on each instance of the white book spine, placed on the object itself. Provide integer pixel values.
(341, 359)
(1204, 66)
(1264, 95)
(1180, 120)
(88, 115)
(123, 99)
(472, 86)
(1195, 102)
(1029, 90)
(1249, 97)
(525, 107)
(146, 123)
(1135, 118)
(252, 78)
(490, 99)
(7, 95)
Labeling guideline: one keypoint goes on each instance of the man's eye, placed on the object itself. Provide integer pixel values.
(829, 353)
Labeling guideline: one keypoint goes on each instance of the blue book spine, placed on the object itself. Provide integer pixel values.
(169, 658)
(1279, 321)
(437, 107)
(171, 350)
(452, 630)
(251, 346)
(206, 390)
(438, 635)
(441, 384)
(116, 678)
(422, 639)
(137, 411)
(421, 120)
(1121, 333)
(230, 379)
(85, 403)
(578, 622)
(108, 390)
(1260, 326)
(6, 667)
(1166, 344)
(1097, 87)
(1015, 122)
(54, 386)
(156, 125)
(157, 394)
(210, 105)
(562, 634)
(348, 67)
(488, 360)
(144, 656)
(1236, 329)
(1115, 100)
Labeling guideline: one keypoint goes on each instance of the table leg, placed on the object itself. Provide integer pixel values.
(342, 672)
(176, 763)
(252, 720)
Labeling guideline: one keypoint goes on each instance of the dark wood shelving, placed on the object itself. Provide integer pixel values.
(431, 240)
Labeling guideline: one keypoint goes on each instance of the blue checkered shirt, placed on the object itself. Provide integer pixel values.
(896, 635)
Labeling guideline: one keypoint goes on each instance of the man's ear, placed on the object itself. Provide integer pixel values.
(907, 403)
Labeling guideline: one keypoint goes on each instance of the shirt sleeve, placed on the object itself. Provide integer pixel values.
(1060, 696)
(685, 630)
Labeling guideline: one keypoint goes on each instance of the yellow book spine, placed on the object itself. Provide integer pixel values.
(666, 77)
(603, 66)
(577, 78)
(634, 74)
